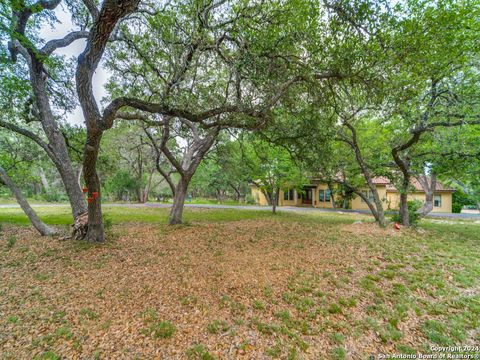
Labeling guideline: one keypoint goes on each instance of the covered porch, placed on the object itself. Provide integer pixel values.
(308, 196)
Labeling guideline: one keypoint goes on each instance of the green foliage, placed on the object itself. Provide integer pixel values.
(413, 215)
(121, 183)
(271, 168)
(460, 200)
(55, 196)
(223, 174)
(456, 208)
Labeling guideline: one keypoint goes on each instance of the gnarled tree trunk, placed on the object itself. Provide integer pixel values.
(428, 186)
(403, 164)
(95, 231)
(371, 206)
(176, 213)
(185, 167)
(404, 216)
(41, 227)
(378, 212)
(276, 194)
(105, 21)
(55, 137)
(56, 149)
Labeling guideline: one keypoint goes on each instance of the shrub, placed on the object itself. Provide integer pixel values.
(54, 196)
(457, 208)
(413, 214)
(249, 199)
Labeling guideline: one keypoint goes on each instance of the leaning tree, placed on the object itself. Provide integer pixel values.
(16, 158)
(33, 63)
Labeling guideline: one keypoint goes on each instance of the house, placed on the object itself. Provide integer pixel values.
(317, 194)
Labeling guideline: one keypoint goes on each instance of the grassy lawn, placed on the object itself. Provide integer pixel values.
(236, 284)
(12, 201)
(61, 215)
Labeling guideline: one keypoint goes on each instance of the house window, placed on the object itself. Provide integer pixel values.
(288, 194)
(328, 195)
(437, 201)
(324, 195)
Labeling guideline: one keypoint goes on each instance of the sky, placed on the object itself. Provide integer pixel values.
(61, 29)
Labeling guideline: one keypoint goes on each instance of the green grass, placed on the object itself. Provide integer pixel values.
(7, 200)
(115, 214)
(61, 215)
(88, 314)
(198, 352)
(214, 202)
(217, 327)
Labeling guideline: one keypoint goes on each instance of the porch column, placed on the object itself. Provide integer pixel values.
(314, 196)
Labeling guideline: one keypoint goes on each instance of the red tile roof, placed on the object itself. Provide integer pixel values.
(383, 180)
(418, 187)
(380, 180)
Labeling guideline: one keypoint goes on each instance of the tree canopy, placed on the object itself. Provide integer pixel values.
(209, 97)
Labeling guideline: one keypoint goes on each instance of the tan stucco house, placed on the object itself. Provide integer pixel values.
(317, 194)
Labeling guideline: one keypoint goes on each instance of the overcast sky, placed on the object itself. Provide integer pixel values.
(60, 30)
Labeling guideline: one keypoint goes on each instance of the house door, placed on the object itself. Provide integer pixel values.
(307, 197)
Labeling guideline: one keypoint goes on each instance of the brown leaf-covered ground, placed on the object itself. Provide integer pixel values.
(292, 286)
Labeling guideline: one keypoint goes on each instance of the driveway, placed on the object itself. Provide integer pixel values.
(313, 210)
(261, 208)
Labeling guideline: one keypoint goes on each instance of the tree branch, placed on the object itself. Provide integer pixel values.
(92, 9)
(53, 45)
(30, 135)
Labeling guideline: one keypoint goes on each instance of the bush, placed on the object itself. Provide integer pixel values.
(457, 208)
(249, 199)
(54, 196)
(413, 214)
